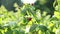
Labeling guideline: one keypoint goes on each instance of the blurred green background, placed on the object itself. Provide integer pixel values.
(41, 17)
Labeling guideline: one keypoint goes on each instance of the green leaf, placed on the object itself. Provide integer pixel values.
(9, 32)
(33, 27)
(16, 32)
(43, 28)
(22, 32)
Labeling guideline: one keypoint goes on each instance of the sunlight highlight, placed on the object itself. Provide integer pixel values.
(28, 1)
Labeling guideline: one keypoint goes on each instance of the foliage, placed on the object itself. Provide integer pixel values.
(28, 21)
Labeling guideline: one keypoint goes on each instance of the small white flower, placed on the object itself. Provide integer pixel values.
(5, 24)
(38, 15)
(57, 31)
(27, 29)
(28, 1)
(53, 16)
